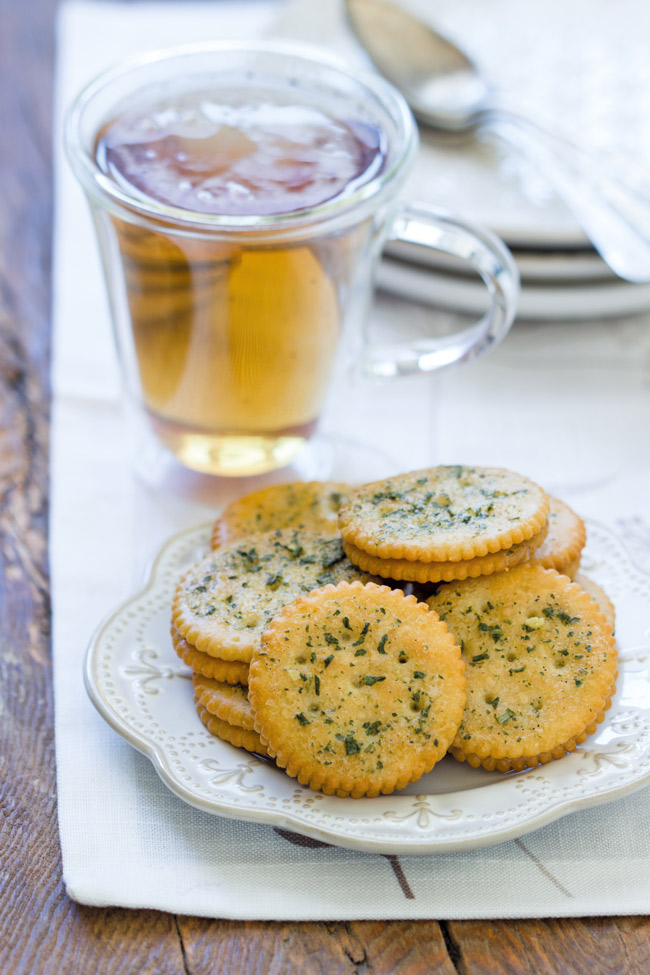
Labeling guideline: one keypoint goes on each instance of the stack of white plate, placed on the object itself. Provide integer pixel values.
(562, 276)
(581, 68)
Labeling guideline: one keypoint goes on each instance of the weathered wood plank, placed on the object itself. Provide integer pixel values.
(338, 948)
(41, 930)
(572, 946)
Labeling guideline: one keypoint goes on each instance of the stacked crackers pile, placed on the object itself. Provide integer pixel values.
(476, 641)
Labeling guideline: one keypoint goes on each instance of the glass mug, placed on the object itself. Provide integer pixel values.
(228, 318)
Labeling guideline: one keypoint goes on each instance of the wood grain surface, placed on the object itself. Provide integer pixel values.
(41, 930)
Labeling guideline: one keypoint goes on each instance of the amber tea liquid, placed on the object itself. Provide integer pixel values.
(235, 342)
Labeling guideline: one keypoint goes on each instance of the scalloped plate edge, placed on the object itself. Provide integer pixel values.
(551, 812)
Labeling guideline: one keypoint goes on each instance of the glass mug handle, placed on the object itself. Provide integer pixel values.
(427, 226)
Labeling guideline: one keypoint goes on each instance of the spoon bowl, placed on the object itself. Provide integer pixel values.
(442, 85)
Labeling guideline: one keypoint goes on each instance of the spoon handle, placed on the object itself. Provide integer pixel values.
(614, 213)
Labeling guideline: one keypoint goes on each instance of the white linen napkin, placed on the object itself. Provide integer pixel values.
(568, 405)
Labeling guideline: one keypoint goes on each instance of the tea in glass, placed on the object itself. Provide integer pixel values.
(235, 342)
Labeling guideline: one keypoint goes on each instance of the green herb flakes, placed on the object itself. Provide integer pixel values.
(372, 727)
(507, 715)
(566, 619)
(366, 627)
(352, 746)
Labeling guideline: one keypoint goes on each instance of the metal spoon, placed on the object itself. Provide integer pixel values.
(446, 91)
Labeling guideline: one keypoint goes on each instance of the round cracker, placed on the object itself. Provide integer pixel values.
(572, 568)
(228, 671)
(357, 690)
(226, 701)
(482, 565)
(541, 665)
(565, 539)
(598, 593)
(443, 514)
(309, 506)
(225, 600)
(249, 740)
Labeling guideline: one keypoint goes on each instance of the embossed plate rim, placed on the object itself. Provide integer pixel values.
(361, 824)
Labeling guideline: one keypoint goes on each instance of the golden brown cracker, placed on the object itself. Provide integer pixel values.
(357, 690)
(598, 593)
(572, 569)
(564, 540)
(443, 514)
(226, 701)
(541, 665)
(228, 671)
(403, 569)
(225, 600)
(249, 740)
(308, 506)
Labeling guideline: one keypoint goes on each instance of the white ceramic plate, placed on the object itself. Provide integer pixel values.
(138, 685)
(562, 301)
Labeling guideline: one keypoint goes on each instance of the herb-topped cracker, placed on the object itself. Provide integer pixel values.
(482, 565)
(240, 737)
(311, 506)
(565, 539)
(228, 671)
(443, 514)
(223, 603)
(226, 701)
(357, 690)
(541, 665)
(598, 593)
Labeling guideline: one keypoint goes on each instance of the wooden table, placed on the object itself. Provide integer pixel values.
(41, 930)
